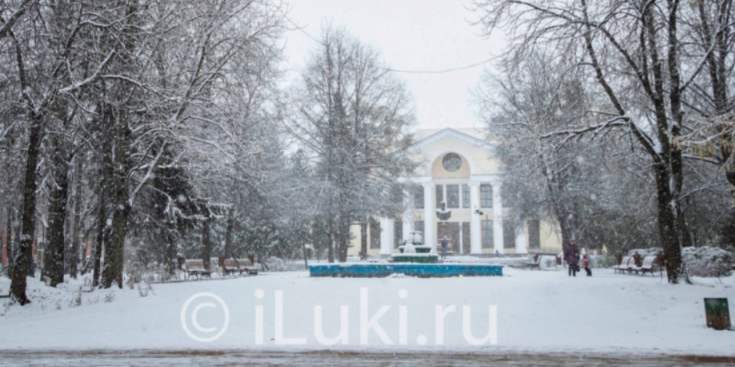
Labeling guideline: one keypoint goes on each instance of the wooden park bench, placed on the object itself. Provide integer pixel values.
(240, 266)
(624, 264)
(196, 268)
(648, 264)
(628, 264)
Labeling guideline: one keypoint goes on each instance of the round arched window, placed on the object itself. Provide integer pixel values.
(452, 162)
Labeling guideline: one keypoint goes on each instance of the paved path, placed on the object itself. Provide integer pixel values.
(332, 358)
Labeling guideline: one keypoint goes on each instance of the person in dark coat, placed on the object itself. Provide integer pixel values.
(444, 247)
(571, 256)
(638, 259)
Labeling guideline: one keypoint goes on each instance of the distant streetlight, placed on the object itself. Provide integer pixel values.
(306, 262)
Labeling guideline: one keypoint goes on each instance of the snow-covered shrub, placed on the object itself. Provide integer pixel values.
(547, 262)
(278, 264)
(602, 261)
(707, 261)
(130, 281)
(150, 278)
(77, 300)
(163, 275)
(645, 251)
(109, 297)
(93, 300)
(143, 291)
(88, 284)
(510, 261)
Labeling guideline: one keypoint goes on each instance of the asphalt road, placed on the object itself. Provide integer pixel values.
(334, 358)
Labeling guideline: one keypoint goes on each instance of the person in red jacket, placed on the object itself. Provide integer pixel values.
(586, 262)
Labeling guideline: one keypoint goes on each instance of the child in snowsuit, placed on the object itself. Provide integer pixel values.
(586, 262)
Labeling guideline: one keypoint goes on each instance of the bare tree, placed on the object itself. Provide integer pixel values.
(635, 53)
(352, 117)
(54, 32)
(549, 176)
(125, 92)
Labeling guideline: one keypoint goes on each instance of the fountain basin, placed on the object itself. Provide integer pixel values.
(418, 258)
(420, 249)
(409, 269)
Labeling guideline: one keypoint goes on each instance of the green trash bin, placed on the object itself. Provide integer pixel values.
(718, 313)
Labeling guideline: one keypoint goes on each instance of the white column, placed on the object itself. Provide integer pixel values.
(386, 236)
(408, 216)
(498, 219)
(475, 226)
(429, 217)
(521, 240)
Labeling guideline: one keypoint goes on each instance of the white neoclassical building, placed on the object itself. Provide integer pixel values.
(459, 173)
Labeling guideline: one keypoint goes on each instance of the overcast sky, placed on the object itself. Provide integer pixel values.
(419, 35)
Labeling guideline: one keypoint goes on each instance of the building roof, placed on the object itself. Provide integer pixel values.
(472, 136)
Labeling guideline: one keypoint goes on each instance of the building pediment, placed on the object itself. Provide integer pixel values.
(461, 137)
(432, 145)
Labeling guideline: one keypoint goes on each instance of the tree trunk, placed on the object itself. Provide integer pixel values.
(103, 217)
(15, 245)
(363, 239)
(171, 254)
(9, 243)
(667, 224)
(119, 193)
(57, 215)
(330, 239)
(343, 233)
(112, 271)
(28, 219)
(730, 174)
(227, 251)
(206, 243)
(76, 230)
(101, 225)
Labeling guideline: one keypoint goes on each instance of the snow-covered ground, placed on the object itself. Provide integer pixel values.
(537, 311)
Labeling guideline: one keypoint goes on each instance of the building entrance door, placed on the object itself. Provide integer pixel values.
(451, 231)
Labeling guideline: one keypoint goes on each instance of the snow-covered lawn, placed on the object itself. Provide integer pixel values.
(538, 311)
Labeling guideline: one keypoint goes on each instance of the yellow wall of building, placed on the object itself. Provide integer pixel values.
(550, 236)
(355, 242)
(438, 171)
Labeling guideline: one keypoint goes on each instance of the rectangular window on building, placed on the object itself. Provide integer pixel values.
(374, 234)
(439, 195)
(397, 233)
(465, 196)
(418, 198)
(453, 196)
(534, 234)
(487, 234)
(486, 196)
(509, 234)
